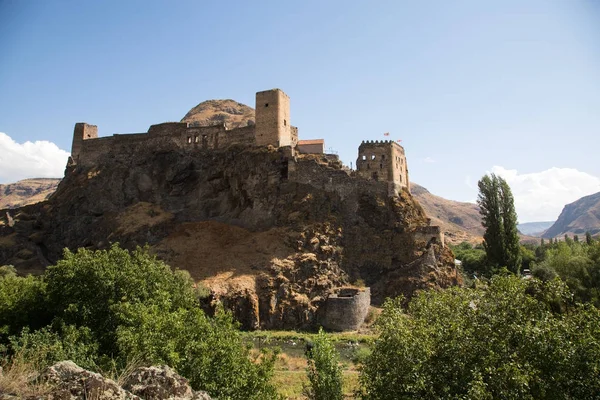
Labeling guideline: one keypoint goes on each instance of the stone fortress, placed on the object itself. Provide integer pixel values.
(381, 164)
(379, 161)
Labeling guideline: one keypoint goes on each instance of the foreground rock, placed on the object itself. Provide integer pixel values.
(67, 381)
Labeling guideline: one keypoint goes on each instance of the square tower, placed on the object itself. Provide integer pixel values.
(383, 161)
(82, 132)
(273, 119)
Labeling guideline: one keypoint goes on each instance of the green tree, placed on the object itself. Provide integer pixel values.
(22, 303)
(588, 238)
(505, 340)
(499, 218)
(323, 370)
(104, 308)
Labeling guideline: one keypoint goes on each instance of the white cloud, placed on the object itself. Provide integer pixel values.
(428, 160)
(541, 196)
(39, 159)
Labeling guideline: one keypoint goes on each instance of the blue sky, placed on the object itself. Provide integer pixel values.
(469, 86)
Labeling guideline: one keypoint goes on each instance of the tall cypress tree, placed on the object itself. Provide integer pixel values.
(489, 208)
(512, 249)
(499, 218)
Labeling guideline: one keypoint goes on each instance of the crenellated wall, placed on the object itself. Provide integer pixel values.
(383, 161)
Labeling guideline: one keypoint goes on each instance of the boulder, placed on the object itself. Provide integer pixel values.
(157, 383)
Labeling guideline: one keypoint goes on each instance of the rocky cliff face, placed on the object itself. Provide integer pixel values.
(271, 235)
(577, 218)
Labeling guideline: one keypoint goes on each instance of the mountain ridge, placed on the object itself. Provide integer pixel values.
(577, 218)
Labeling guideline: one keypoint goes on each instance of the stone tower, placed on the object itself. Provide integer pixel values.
(81, 132)
(383, 161)
(273, 119)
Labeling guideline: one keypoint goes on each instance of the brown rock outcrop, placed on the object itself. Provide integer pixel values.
(270, 234)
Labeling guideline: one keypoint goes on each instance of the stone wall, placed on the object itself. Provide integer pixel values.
(318, 173)
(81, 133)
(161, 136)
(346, 309)
(429, 234)
(383, 161)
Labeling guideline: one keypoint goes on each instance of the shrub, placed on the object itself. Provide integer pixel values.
(323, 370)
(499, 341)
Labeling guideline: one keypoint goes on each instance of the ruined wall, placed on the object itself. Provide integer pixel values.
(273, 118)
(428, 234)
(168, 128)
(383, 161)
(81, 133)
(346, 310)
(161, 136)
(320, 174)
(294, 134)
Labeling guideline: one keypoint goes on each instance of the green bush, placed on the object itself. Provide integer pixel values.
(498, 341)
(110, 307)
(323, 370)
(22, 303)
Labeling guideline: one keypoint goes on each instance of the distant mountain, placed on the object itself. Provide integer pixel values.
(534, 228)
(577, 218)
(27, 191)
(460, 221)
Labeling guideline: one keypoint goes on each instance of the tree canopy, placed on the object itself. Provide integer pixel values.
(499, 218)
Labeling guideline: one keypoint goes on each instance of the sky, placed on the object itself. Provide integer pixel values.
(470, 87)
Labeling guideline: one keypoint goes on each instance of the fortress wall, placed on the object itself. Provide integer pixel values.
(168, 128)
(294, 135)
(346, 310)
(203, 137)
(243, 135)
(428, 233)
(329, 179)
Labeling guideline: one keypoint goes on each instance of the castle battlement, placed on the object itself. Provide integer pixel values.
(385, 161)
(378, 160)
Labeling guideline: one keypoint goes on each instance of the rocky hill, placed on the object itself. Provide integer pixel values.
(271, 236)
(577, 218)
(459, 221)
(213, 112)
(27, 191)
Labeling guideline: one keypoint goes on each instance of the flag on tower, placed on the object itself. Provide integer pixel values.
(399, 140)
(386, 134)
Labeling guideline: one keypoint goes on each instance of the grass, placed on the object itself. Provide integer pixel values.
(290, 367)
(20, 375)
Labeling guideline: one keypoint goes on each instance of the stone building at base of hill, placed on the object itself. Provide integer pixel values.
(346, 309)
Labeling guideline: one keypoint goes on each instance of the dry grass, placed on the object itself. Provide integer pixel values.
(20, 377)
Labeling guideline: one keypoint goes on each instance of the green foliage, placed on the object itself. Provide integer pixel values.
(497, 341)
(499, 218)
(207, 351)
(578, 264)
(323, 370)
(109, 307)
(46, 346)
(22, 303)
(473, 259)
(93, 288)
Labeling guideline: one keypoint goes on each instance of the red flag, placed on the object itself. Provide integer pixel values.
(399, 140)
(386, 134)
